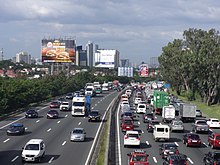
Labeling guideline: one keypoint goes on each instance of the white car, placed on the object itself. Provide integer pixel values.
(132, 138)
(141, 108)
(34, 150)
(137, 100)
(124, 103)
(213, 123)
(65, 106)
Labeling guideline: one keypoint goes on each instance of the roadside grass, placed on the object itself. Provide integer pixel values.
(212, 111)
(101, 157)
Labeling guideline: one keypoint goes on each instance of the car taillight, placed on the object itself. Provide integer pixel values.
(171, 162)
(177, 152)
(126, 137)
(189, 140)
(138, 138)
(215, 163)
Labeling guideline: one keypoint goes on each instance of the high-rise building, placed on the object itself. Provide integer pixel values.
(81, 56)
(23, 57)
(91, 49)
(124, 63)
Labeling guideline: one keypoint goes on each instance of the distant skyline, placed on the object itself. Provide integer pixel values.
(138, 29)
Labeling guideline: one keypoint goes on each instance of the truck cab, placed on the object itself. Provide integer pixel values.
(78, 106)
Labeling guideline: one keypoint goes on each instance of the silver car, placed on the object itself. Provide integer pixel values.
(176, 125)
(78, 134)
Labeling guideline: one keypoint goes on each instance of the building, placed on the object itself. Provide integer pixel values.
(107, 58)
(91, 49)
(81, 57)
(124, 63)
(23, 57)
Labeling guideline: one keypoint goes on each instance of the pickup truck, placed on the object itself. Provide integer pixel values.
(200, 126)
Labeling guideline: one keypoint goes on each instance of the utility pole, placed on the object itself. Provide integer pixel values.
(2, 55)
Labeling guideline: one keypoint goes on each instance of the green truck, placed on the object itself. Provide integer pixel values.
(160, 99)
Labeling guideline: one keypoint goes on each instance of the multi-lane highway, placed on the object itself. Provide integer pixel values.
(194, 154)
(55, 133)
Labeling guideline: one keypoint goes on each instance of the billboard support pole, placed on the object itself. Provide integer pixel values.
(52, 68)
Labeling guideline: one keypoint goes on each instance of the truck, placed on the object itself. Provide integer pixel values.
(160, 99)
(187, 112)
(168, 113)
(81, 105)
(90, 90)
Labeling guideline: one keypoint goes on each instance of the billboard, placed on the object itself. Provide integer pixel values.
(105, 58)
(58, 50)
(125, 71)
(143, 70)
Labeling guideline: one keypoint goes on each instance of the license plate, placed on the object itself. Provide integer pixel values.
(194, 140)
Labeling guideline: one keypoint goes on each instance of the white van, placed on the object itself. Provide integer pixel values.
(161, 132)
(33, 150)
(141, 108)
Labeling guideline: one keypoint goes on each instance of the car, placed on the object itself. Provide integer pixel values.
(138, 157)
(128, 114)
(191, 139)
(176, 125)
(125, 108)
(212, 158)
(200, 126)
(52, 114)
(61, 99)
(31, 113)
(34, 150)
(141, 108)
(16, 129)
(65, 106)
(198, 113)
(166, 149)
(137, 100)
(213, 123)
(69, 96)
(127, 124)
(213, 139)
(176, 159)
(78, 134)
(132, 138)
(94, 115)
(148, 117)
(55, 104)
(150, 125)
(124, 103)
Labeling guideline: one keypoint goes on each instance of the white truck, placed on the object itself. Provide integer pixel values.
(65, 106)
(78, 106)
(187, 112)
(90, 90)
(168, 113)
(161, 132)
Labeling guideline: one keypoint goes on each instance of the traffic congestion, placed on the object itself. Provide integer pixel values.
(177, 133)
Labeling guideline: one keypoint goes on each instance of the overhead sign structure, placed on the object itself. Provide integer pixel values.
(58, 50)
(143, 70)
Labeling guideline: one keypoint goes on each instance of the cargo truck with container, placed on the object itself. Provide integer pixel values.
(81, 106)
(187, 112)
(160, 99)
(168, 113)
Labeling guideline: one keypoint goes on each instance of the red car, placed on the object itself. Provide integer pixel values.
(138, 157)
(192, 139)
(127, 124)
(55, 104)
(214, 139)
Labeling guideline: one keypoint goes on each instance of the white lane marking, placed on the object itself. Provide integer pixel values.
(155, 117)
(84, 117)
(139, 123)
(79, 123)
(51, 160)
(190, 160)
(176, 143)
(95, 105)
(205, 144)
(66, 115)
(142, 131)
(155, 160)
(6, 140)
(14, 158)
(26, 128)
(49, 130)
(97, 134)
(92, 107)
(63, 143)
(98, 102)
(147, 143)
(16, 120)
(58, 122)
(38, 110)
(37, 121)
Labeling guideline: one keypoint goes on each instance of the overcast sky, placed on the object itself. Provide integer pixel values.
(138, 29)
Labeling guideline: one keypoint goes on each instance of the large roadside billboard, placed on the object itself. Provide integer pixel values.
(105, 58)
(143, 70)
(58, 50)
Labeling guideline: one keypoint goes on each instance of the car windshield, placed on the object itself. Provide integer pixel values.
(168, 146)
(16, 126)
(215, 121)
(65, 103)
(141, 106)
(178, 123)
(94, 113)
(32, 147)
(128, 122)
(216, 156)
(31, 111)
(138, 158)
(202, 122)
(155, 122)
(77, 131)
(52, 112)
(89, 89)
(78, 104)
(193, 136)
(133, 135)
(127, 114)
(217, 138)
(178, 162)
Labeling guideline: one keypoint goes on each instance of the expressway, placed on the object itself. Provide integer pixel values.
(194, 154)
(55, 133)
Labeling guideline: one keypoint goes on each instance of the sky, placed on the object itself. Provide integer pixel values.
(138, 29)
